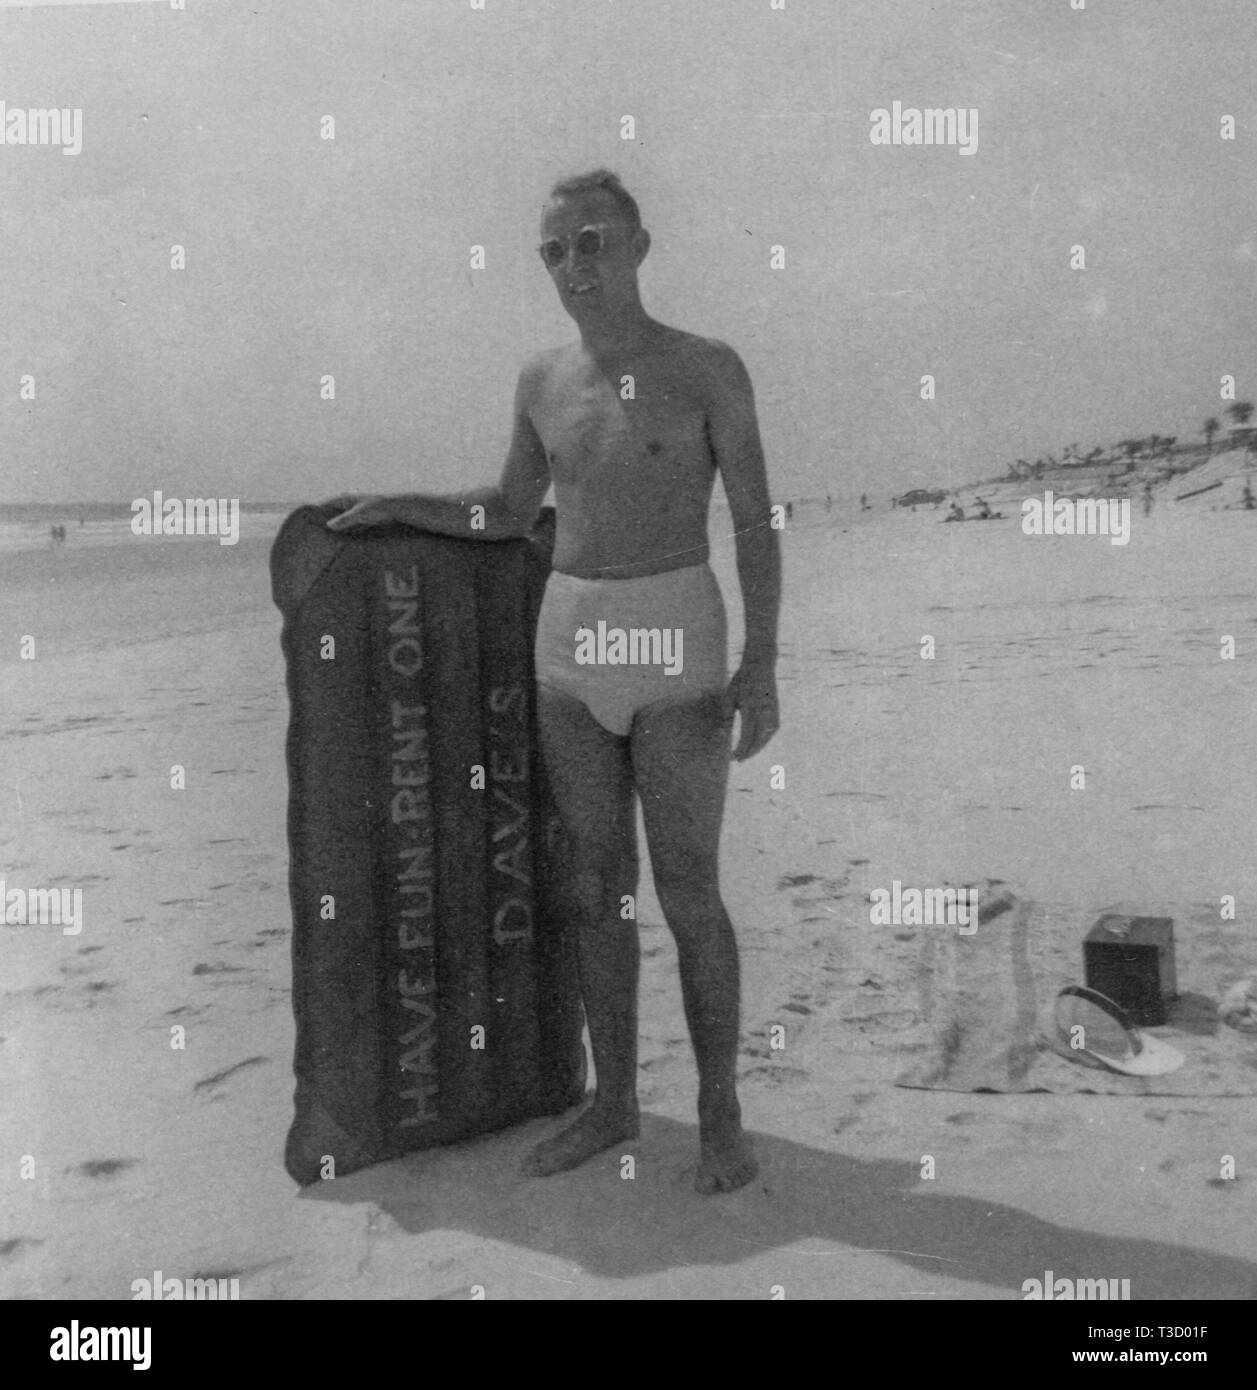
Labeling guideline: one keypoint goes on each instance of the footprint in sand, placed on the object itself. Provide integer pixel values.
(779, 1072)
(103, 1167)
(218, 1078)
(827, 892)
(16, 1244)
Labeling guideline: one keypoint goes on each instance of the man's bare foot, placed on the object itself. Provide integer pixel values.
(596, 1129)
(726, 1159)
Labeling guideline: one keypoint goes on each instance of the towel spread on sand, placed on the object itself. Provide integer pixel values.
(986, 1001)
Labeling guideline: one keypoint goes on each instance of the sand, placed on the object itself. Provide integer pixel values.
(1050, 652)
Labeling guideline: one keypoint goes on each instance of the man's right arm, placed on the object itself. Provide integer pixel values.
(507, 510)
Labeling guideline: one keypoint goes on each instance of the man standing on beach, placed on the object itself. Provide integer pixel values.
(631, 424)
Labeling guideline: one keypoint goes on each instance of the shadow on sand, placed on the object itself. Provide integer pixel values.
(617, 1228)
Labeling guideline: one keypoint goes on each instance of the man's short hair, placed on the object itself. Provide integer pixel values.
(607, 182)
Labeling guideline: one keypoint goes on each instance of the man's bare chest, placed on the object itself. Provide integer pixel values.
(587, 425)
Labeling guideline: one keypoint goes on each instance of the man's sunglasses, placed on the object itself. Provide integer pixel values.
(589, 241)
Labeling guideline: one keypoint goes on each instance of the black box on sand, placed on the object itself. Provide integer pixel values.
(1131, 959)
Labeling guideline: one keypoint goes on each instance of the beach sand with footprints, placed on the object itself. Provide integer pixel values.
(1049, 652)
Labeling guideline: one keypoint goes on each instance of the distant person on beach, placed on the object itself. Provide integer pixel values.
(789, 511)
(632, 481)
(956, 513)
(983, 510)
(1148, 499)
(1247, 496)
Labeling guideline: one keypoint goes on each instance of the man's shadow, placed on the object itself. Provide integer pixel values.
(623, 1227)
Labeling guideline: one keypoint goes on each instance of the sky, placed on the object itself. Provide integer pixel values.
(352, 256)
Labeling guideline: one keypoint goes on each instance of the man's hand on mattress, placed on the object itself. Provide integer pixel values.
(365, 511)
(752, 693)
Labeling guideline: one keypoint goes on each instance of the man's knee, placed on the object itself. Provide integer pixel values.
(688, 898)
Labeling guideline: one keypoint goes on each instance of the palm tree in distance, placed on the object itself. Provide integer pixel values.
(1241, 412)
(1209, 429)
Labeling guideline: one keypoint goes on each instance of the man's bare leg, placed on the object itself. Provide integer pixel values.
(681, 768)
(591, 774)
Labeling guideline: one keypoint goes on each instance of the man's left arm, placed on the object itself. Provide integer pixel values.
(734, 434)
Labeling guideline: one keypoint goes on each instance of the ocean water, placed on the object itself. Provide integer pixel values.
(105, 587)
(26, 526)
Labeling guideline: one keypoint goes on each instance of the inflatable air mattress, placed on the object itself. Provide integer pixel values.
(433, 953)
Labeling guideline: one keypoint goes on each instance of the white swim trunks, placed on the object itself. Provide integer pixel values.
(622, 645)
